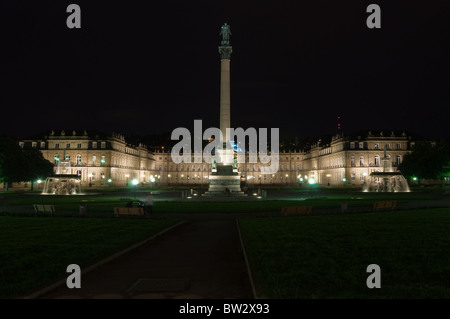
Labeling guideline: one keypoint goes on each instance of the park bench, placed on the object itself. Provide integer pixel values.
(40, 208)
(129, 211)
(384, 205)
(293, 210)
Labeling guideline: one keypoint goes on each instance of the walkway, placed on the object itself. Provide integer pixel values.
(200, 259)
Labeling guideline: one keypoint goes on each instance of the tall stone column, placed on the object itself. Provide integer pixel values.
(224, 179)
(225, 102)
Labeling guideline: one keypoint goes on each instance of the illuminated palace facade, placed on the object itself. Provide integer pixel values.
(101, 160)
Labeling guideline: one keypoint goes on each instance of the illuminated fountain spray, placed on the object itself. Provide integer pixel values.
(62, 182)
(387, 180)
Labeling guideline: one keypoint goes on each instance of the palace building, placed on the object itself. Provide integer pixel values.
(103, 160)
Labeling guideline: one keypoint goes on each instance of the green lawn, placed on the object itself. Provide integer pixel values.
(36, 251)
(327, 256)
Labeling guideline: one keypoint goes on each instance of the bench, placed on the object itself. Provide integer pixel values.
(129, 211)
(40, 208)
(384, 205)
(292, 210)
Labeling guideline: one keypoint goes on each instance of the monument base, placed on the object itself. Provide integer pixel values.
(224, 182)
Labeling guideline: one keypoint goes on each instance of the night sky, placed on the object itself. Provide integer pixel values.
(147, 67)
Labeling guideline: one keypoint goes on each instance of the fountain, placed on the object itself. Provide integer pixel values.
(62, 182)
(386, 180)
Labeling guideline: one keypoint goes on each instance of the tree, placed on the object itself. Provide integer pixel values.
(17, 165)
(427, 161)
(37, 167)
(12, 162)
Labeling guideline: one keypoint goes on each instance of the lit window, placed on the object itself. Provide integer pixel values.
(103, 145)
(352, 161)
(361, 145)
(353, 176)
(42, 144)
(361, 161)
(377, 160)
(375, 146)
(399, 146)
(57, 145)
(352, 145)
(79, 145)
(94, 159)
(34, 144)
(78, 159)
(67, 145)
(398, 159)
(94, 144)
(102, 160)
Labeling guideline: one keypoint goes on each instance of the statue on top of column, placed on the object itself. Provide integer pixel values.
(225, 33)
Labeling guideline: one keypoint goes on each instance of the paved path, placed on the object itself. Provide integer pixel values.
(200, 259)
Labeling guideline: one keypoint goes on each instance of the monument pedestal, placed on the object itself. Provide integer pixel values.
(225, 181)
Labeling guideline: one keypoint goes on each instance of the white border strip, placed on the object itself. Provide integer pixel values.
(250, 275)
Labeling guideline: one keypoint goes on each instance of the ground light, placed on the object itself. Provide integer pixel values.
(311, 181)
(134, 182)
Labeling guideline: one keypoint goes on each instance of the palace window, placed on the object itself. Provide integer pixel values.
(67, 157)
(361, 145)
(94, 144)
(42, 144)
(79, 145)
(353, 176)
(102, 161)
(34, 144)
(103, 145)
(94, 159)
(352, 145)
(56, 158)
(361, 177)
(102, 175)
(375, 146)
(68, 145)
(352, 161)
(399, 146)
(387, 146)
(377, 160)
(361, 161)
(78, 173)
(57, 145)
(78, 159)
(398, 159)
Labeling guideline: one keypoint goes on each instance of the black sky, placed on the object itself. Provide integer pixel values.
(147, 67)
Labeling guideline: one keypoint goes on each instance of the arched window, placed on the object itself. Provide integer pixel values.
(352, 161)
(79, 159)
